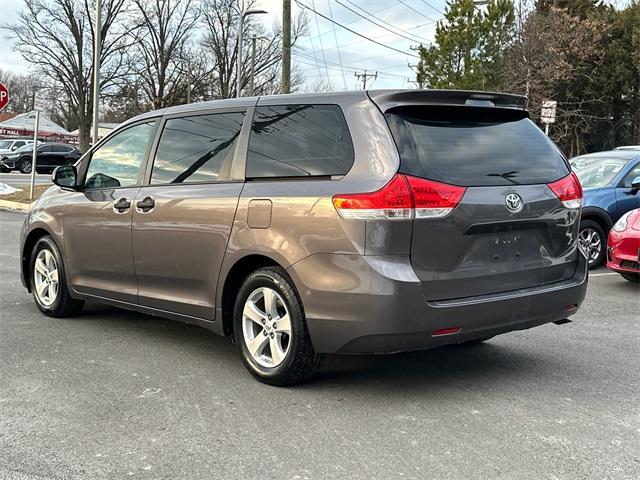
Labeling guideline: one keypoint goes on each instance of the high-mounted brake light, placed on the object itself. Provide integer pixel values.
(568, 190)
(403, 198)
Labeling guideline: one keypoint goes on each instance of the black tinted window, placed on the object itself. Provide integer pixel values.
(299, 141)
(45, 149)
(474, 146)
(196, 149)
(61, 148)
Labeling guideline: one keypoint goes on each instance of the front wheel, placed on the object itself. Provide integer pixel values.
(49, 281)
(592, 240)
(631, 277)
(24, 166)
(270, 328)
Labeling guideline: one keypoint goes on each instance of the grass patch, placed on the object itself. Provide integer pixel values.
(22, 195)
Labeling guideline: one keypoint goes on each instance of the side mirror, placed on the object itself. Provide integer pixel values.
(66, 176)
(14, 148)
(635, 185)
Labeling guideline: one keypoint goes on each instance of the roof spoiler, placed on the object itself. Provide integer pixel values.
(388, 99)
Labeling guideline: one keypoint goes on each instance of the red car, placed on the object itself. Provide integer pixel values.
(623, 250)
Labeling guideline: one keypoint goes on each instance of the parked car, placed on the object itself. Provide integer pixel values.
(360, 222)
(608, 180)
(623, 247)
(48, 157)
(10, 145)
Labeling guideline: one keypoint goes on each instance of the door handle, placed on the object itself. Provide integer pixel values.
(122, 205)
(146, 204)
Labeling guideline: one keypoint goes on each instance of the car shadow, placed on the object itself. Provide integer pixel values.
(478, 366)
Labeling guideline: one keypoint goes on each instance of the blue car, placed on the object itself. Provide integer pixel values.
(611, 182)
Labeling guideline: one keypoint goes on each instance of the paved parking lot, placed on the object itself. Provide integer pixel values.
(113, 394)
(15, 179)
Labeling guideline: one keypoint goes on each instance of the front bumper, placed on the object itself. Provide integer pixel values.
(375, 304)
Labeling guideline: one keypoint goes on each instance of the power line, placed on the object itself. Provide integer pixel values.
(320, 38)
(416, 11)
(335, 36)
(356, 20)
(337, 67)
(418, 37)
(436, 9)
(302, 5)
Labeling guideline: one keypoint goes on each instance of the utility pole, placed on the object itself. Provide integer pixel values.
(252, 73)
(285, 84)
(365, 77)
(96, 69)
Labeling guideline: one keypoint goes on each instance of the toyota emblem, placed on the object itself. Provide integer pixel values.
(514, 203)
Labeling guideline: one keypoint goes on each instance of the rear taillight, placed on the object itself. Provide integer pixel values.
(433, 199)
(568, 190)
(403, 198)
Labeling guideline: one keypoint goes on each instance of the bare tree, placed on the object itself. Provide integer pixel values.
(22, 88)
(221, 19)
(161, 59)
(56, 37)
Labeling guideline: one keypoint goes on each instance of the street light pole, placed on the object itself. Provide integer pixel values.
(96, 69)
(252, 73)
(239, 59)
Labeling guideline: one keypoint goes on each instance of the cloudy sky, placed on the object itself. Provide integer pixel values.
(329, 52)
(332, 52)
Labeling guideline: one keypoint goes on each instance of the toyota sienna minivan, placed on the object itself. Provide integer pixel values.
(301, 225)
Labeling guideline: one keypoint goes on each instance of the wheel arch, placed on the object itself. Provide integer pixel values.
(601, 217)
(233, 280)
(29, 242)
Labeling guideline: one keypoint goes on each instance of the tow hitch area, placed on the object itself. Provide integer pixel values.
(563, 321)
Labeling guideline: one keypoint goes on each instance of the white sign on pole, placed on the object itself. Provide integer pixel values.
(548, 112)
(39, 103)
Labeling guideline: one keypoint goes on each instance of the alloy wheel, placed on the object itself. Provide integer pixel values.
(591, 243)
(266, 327)
(46, 277)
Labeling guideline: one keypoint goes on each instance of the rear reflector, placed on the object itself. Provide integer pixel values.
(403, 198)
(446, 331)
(568, 190)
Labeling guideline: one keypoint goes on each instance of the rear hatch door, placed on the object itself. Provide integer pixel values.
(509, 229)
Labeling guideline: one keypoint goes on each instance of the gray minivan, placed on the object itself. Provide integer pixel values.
(301, 225)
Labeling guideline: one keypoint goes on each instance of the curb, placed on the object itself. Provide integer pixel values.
(22, 207)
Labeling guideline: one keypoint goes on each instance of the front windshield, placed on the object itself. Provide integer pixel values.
(597, 171)
(5, 143)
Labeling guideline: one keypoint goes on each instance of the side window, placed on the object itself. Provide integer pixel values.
(299, 141)
(45, 149)
(631, 176)
(117, 162)
(17, 145)
(60, 149)
(196, 149)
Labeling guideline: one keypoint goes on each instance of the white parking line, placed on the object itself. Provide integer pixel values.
(602, 274)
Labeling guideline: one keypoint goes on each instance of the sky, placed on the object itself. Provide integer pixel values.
(326, 54)
(329, 52)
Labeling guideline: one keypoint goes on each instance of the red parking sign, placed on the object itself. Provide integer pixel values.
(4, 96)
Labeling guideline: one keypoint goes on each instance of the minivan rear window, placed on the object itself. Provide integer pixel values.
(299, 141)
(474, 146)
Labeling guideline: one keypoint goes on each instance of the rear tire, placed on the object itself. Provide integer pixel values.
(24, 166)
(631, 277)
(593, 240)
(49, 281)
(269, 321)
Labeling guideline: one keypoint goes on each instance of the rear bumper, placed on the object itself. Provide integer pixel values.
(375, 304)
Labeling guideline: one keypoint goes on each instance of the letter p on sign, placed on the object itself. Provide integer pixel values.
(4, 96)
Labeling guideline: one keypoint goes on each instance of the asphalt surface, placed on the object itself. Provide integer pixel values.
(113, 394)
(14, 179)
